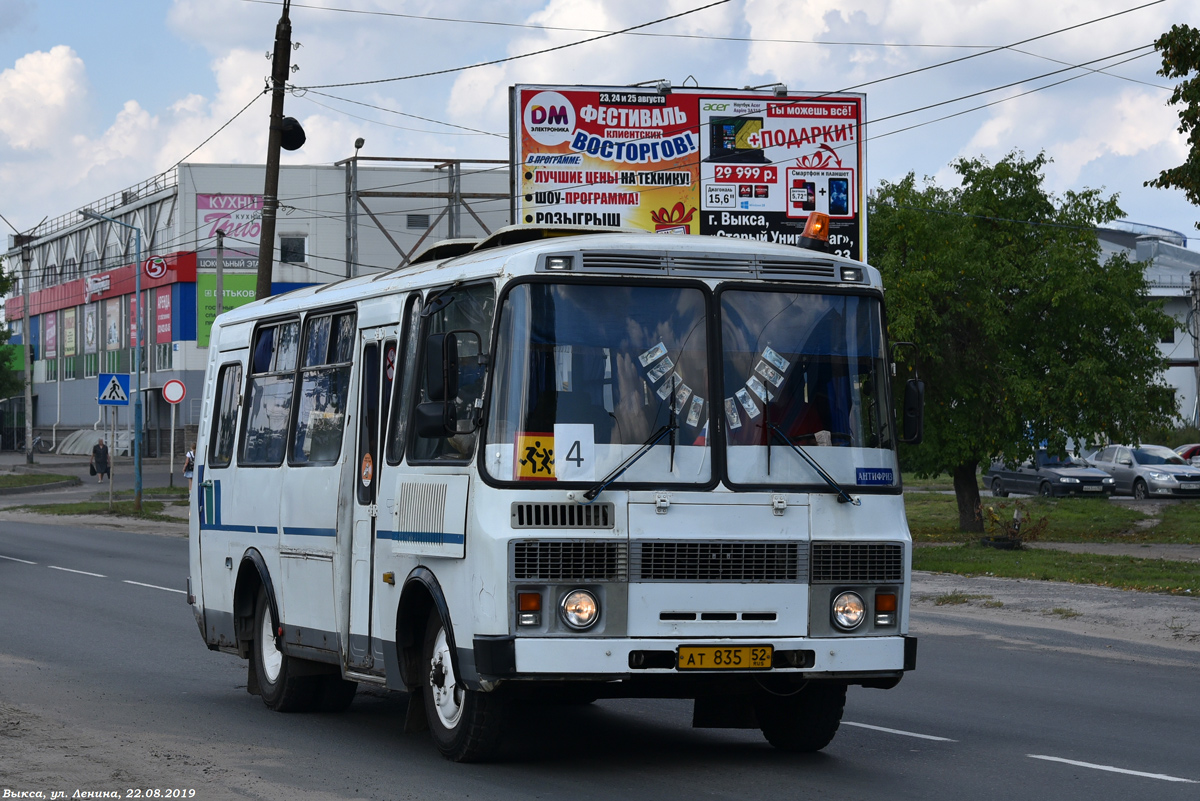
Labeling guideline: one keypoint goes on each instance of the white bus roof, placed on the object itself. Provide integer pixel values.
(610, 253)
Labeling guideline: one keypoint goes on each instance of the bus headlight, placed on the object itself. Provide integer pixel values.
(849, 610)
(580, 609)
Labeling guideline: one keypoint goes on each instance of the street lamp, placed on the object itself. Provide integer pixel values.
(137, 398)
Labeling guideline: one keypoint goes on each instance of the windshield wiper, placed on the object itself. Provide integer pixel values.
(628, 463)
(843, 496)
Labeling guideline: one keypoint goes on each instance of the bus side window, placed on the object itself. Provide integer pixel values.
(272, 383)
(469, 308)
(324, 388)
(229, 392)
(407, 364)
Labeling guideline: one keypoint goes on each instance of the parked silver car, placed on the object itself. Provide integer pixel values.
(1150, 471)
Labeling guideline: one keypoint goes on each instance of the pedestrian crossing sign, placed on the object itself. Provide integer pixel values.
(113, 389)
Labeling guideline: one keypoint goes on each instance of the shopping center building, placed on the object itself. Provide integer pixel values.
(336, 221)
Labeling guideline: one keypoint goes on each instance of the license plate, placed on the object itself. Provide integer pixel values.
(1189, 485)
(1092, 489)
(713, 657)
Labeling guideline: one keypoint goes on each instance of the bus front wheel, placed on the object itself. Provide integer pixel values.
(804, 721)
(280, 690)
(465, 724)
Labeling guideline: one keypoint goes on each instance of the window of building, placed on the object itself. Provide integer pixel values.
(51, 370)
(112, 361)
(292, 249)
(417, 221)
(91, 365)
(162, 356)
(68, 368)
(1169, 339)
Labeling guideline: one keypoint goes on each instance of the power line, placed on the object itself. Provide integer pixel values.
(523, 55)
(560, 28)
(303, 93)
(223, 127)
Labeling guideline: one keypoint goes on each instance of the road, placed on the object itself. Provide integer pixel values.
(107, 685)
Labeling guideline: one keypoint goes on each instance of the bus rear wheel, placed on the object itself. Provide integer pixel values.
(280, 690)
(465, 724)
(804, 722)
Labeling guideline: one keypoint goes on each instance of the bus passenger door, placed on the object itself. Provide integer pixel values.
(375, 379)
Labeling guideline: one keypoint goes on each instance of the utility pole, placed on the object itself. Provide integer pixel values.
(1196, 343)
(23, 241)
(280, 66)
(221, 273)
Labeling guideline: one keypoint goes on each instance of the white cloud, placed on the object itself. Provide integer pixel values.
(39, 97)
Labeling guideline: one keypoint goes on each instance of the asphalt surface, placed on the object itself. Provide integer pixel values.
(107, 685)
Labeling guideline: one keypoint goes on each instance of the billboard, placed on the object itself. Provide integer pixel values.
(240, 217)
(238, 288)
(732, 163)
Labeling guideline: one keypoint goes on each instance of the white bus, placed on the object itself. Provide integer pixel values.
(603, 465)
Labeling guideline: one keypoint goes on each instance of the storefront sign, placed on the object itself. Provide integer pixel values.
(741, 164)
(162, 315)
(239, 289)
(239, 216)
(69, 332)
(112, 324)
(90, 335)
(50, 323)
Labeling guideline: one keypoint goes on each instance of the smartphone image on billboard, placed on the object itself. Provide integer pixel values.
(839, 196)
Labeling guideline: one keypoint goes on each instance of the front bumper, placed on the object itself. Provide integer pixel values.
(534, 658)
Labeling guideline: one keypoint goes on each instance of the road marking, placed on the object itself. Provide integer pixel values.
(15, 559)
(1111, 769)
(899, 731)
(155, 587)
(69, 570)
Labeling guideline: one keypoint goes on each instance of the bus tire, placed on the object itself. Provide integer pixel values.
(279, 689)
(804, 722)
(465, 724)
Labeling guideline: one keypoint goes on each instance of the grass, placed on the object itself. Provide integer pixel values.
(942, 481)
(934, 518)
(1124, 572)
(151, 510)
(957, 598)
(31, 479)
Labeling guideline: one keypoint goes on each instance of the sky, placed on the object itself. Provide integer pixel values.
(98, 96)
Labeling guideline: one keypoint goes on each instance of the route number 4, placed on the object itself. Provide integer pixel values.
(577, 443)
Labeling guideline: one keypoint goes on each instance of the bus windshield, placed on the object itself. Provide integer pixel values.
(588, 373)
(805, 369)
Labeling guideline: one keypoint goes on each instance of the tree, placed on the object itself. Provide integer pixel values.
(1023, 335)
(1180, 49)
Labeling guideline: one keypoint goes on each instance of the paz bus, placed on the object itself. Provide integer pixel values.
(567, 465)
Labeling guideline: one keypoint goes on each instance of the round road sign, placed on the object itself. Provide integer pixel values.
(173, 391)
(156, 267)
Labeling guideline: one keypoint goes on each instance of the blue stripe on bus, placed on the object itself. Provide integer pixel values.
(223, 527)
(423, 537)
(294, 531)
(268, 530)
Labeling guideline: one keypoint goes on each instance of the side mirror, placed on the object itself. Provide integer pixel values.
(1194, 461)
(1126, 462)
(447, 358)
(914, 412)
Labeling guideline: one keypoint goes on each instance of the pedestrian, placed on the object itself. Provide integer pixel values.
(100, 461)
(189, 465)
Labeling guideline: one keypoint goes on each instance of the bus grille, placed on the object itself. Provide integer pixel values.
(707, 560)
(562, 515)
(852, 562)
(561, 560)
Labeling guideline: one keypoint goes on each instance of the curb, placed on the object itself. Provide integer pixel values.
(75, 482)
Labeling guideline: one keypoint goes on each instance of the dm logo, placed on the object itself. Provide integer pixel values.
(550, 118)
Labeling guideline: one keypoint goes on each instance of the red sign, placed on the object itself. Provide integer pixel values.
(133, 316)
(162, 315)
(156, 267)
(174, 391)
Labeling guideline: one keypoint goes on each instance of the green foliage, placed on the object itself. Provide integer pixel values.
(1180, 49)
(1022, 334)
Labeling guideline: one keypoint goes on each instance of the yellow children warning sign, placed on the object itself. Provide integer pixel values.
(534, 456)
